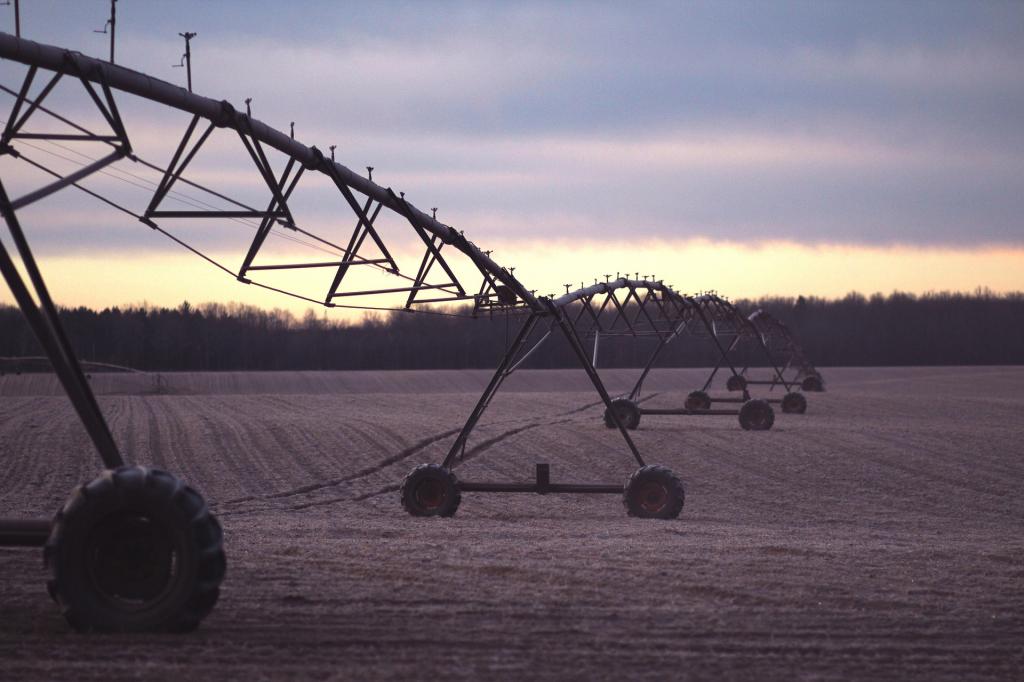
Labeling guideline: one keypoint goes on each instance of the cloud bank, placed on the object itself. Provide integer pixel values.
(867, 125)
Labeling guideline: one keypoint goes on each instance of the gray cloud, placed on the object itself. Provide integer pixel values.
(819, 122)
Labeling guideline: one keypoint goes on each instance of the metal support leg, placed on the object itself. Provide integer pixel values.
(771, 363)
(581, 354)
(788, 366)
(723, 354)
(722, 358)
(500, 374)
(47, 327)
(711, 377)
(635, 393)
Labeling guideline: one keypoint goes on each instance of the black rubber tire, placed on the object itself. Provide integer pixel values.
(431, 490)
(756, 415)
(653, 492)
(736, 383)
(698, 400)
(629, 414)
(812, 384)
(135, 550)
(794, 403)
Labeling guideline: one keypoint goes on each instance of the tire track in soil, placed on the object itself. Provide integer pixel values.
(592, 450)
(314, 487)
(292, 620)
(472, 453)
(167, 442)
(154, 440)
(589, 455)
(317, 456)
(239, 444)
(400, 456)
(372, 442)
(287, 452)
(389, 461)
(170, 423)
(476, 450)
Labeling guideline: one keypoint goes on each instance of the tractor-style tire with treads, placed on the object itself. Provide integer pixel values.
(431, 490)
(627, 411)
(756, 415)
(736, 383)
(813, 384)
(653, 492)
(698, 400)
(794, 403)
(135, 550)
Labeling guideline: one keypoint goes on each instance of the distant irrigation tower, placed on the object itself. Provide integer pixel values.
(170, 578)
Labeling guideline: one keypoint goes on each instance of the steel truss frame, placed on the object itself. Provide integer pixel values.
(780, 342)
(498, 290)
(651, 308)
(729, 323)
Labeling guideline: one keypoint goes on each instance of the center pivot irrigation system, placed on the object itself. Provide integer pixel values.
(137, 549)
(643, 309)
(779, 342)
(742, 335)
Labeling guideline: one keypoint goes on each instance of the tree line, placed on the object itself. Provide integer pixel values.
(898, 329)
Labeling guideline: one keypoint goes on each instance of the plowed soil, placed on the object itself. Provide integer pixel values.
(880, 535)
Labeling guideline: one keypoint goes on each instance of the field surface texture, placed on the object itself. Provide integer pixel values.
(877, 536)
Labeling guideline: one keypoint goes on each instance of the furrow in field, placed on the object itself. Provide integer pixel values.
(471, 453)
(995, 495)
(22, 461)
(383, 464)
(402, 455)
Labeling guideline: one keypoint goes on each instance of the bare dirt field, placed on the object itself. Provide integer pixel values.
(877, 536)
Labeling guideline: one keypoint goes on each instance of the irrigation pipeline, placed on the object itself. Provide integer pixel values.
(222, 114)
(625, 306)
(774, 331)
(666, 303)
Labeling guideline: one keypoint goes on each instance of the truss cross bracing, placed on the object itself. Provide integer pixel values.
(281, 166)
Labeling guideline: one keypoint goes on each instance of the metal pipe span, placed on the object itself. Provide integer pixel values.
(620, 283)
(222, 114)
(769, 323)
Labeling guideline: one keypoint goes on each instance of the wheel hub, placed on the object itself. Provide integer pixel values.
(131, 558)
(430, 494)
(652, 497)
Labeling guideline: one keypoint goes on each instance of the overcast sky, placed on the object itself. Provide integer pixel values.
(818, 124)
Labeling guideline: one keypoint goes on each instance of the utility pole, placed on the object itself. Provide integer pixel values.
(111, 24)
(17, 16)
(186, 59)
(113, 27)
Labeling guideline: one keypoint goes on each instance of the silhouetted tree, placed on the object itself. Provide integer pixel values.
(899, 329)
